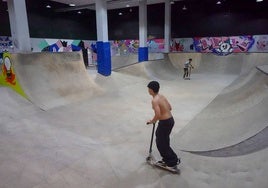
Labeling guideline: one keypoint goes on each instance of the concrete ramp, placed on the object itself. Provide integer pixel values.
(53, 79)
(122, 61)
(263, 68)
(178, 60)
(83, 144)
(209, 63)
(157, 70)
(130, 59)
(236, 114)
(14, 105)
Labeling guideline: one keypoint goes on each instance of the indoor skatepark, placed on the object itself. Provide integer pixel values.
(78, 128)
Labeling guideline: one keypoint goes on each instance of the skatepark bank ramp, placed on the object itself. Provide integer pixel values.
(209, 63)
(235, 115)
(52, 79)
(161, 69)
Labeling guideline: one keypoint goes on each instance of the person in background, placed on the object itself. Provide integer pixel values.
(187, 69)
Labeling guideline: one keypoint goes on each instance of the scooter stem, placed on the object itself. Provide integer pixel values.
(152, 137)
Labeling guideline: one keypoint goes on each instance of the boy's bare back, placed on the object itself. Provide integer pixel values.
(161, 107)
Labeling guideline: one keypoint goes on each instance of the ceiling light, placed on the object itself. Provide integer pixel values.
(184, 8)
(120, 13)
(72, 5)
(79, 12)
(48, 6)
(172, 2)
(259, 1)
(127, 5)
(218, 3)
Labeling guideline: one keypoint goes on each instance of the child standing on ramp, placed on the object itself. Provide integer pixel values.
(187, 69)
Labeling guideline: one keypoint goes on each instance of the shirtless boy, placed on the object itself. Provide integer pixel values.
(162, 110)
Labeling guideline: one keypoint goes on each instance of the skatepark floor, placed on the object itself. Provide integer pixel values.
(103, 142)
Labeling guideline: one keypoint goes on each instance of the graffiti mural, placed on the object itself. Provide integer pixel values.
(5, 44)
(177, 45)
(126, 47)
(8, 76)
(7, 69)
(62, 45)
(181, 45)
(262, 43)
(88, 48)
(224, 45)
(218, 45)
(156, 45)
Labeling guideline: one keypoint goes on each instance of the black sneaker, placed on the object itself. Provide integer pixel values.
(161, 163)
(173, 168)
(179, 161)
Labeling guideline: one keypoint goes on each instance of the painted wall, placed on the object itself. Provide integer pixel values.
(217, 45)
(221, 45)
(8, 76)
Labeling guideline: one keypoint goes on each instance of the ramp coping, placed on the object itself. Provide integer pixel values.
(263, 68)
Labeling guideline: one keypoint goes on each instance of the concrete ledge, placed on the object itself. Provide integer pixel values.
(263, 68)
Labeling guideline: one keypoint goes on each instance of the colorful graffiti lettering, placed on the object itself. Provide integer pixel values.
(223, 45)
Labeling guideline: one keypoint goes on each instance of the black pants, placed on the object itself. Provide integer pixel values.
(186, 72)
(163, 131)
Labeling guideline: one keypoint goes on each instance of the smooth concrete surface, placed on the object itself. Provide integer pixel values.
(263, 68)
(235, 115)
(154, 70)
(102, 141)
(51, 80)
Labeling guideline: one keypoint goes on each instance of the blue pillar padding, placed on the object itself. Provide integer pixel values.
(143, 54)
(104, 58)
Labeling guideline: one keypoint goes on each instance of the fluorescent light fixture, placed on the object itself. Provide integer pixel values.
(259, 1)
(48, 6)
(72, 5)
(79, 12)
(120, 13)
(218, 3)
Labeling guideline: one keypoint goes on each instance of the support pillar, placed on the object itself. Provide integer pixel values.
(103, 46)
(19, 25)
(143, 49)
(167, 25)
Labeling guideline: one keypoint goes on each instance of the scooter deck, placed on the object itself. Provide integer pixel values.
(163, 167)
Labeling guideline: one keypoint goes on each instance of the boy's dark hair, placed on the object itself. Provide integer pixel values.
(190, 59)
(154, 85)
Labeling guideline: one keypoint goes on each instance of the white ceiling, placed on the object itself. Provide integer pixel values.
(111, 4)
